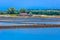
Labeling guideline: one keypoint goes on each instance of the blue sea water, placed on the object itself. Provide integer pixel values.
(30, 34)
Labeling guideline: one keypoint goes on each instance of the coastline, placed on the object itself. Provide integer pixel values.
(28, 26)
(31, 26)
(33, 16)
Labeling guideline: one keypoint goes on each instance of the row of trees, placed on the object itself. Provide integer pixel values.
(46, 12)
(37, 12)
(13, 11)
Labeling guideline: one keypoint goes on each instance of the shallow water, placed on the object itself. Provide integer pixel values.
(30, 34)
(23, 23)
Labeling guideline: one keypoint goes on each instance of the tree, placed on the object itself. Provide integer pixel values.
(11, 11)
(30, 13)
(23, 10)
(1, 12)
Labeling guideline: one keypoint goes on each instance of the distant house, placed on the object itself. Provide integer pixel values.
(24, 14)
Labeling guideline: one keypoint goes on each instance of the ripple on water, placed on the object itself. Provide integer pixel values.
(30, 34)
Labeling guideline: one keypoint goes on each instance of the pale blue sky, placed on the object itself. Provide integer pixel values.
(4, 4)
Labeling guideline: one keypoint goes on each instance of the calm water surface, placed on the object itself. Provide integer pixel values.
(30, 34)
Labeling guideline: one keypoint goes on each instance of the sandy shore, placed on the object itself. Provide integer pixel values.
(33, 16)
(46, 16)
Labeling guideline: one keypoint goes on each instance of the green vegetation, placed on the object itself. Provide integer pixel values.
(46, 12)
(23, 10)
(13, 11)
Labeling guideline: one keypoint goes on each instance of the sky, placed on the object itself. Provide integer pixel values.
(33, 4)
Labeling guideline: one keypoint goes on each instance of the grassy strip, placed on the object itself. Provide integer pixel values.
(33, 16)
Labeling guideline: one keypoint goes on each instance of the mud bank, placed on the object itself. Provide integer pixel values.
(31, 26)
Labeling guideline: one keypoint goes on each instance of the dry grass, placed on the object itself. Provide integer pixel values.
(33, 16)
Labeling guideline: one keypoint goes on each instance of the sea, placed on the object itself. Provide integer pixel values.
(30, 33)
